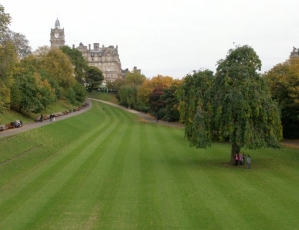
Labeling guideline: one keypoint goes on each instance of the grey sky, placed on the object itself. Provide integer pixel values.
(167, 37)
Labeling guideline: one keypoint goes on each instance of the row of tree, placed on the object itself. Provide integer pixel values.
(236, 104)
(31, 81)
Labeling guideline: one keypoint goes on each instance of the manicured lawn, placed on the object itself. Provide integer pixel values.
(11, 115)
(110, 97)
(106, 169)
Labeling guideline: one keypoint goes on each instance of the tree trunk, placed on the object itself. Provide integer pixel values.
(235, 149)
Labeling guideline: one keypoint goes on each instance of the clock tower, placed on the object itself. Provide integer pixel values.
(57, 35)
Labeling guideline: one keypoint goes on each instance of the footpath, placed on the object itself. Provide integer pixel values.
(34, 125)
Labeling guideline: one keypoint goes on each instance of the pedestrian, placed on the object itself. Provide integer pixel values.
(41, 117)
(157, 119)
(236, 159)
(248, 162)
(50, 117)
(241, 158)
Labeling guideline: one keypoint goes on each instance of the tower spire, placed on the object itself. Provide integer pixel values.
(57, 24)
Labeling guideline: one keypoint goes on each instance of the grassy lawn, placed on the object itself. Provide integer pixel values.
(110, 97)
(10, 115)
(107, 169)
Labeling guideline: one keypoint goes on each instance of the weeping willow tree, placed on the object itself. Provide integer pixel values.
(236, 107)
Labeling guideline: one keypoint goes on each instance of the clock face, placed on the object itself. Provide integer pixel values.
(56, 35)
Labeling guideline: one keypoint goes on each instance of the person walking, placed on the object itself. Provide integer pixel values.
(248, 162)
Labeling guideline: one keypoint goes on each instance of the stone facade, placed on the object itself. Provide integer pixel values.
(294, 53)
(57, 37)
(104, 58)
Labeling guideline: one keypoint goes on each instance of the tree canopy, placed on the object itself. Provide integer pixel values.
(134, 78)
(237, 107)
(284, 84)
(94, 77)
(77, 59)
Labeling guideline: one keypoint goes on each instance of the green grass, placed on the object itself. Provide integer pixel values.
(11, 115)
(107, 169)
(110, 97)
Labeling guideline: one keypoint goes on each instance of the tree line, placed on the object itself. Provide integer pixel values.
(31, 81)
(236, 103)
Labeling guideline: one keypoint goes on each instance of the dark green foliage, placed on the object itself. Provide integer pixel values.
(237, 107)
(94, 77)
(27, 95)
(128, 96)
(284, 83)
(191, 95)
(171, 103)
(71, 95)
(80, 93)
(156, 102)
(80, 64)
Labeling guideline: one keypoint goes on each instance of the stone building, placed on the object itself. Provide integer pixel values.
(294, 53)
(57, 37)
(104, 58)
(124, 71)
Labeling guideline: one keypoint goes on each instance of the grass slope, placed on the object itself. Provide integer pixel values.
(10, 115)
(110, 97)
(106, 169)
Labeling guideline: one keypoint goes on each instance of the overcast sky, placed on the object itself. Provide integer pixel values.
(167, 37)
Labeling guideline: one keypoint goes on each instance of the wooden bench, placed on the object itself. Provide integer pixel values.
(10, 126)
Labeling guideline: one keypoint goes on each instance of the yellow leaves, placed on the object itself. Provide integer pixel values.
(150, 84)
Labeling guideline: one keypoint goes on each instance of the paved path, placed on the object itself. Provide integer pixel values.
(34, 125)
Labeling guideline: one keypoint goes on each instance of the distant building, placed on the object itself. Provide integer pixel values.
(124, 71)
(294, 53)
(57, 37)
(104, 58)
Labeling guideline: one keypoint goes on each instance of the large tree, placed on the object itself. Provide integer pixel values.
(19, 40)
(191, 94)
(237, 107)
(94, 77)
(80, 64)
(8, 59)
(59, 66)
(284, 84)
(171, 101)
(134, 78)
(128, 96)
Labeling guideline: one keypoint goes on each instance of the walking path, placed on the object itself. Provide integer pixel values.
(34, 125)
